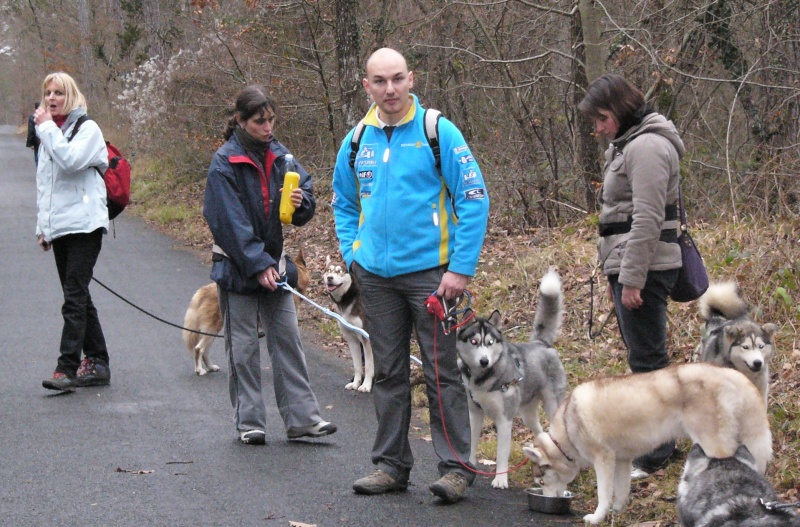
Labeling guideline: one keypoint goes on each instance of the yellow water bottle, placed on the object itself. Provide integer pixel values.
(290, 182)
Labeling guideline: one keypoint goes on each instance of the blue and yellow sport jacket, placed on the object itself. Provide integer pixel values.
(395, 213)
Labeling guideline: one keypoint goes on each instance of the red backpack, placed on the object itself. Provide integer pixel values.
(117, 178)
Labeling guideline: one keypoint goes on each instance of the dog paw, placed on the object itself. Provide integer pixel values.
(201, 371)
(594, 519)
(500, 482)
(214, 367)
(365, 388)
(352, 385)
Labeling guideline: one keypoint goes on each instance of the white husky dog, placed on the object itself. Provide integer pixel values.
(504, 379)
(606, 423)
(346, 297)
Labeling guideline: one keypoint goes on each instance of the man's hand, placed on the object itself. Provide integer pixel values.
(452, 285)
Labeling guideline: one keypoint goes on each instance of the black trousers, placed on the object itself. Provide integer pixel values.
(76, 255)
(644, 331)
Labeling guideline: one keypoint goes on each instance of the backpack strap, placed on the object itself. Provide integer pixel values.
(355, 141)
(431, 119)
(432, 133)
(82, 119)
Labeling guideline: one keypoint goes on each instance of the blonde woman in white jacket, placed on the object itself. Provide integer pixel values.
(72, 218)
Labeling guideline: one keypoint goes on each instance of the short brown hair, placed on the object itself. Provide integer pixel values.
(615, 94)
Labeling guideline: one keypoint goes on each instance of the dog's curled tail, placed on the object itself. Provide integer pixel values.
(549, 312)
(722, 300)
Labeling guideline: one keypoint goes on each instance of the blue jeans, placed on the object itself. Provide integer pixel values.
(76, 255)
(644, 331)
(394, 308)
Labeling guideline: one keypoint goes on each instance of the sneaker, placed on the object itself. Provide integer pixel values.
(378, 482)
(61, 382)
(253, 437)
(450, 487)
(637, 474)
(93, 373)
(323, 428)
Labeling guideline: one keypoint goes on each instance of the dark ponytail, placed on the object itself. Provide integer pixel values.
(250, 101)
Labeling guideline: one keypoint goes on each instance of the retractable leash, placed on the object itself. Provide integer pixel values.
(285, 285)
(448, 316)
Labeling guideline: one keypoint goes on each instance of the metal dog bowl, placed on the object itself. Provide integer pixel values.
(548, 504)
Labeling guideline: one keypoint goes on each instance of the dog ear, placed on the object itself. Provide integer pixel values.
(733, 332)
(769, 330)
(496, 319)
(536, 455)
(327, 261)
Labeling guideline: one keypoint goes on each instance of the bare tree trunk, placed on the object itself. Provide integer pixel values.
(347, 58)
(589, 23)
(85, 44)
(588, 58)
(38, 26)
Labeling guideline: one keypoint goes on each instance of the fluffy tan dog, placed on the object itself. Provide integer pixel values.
(204, 315)
(606, 423)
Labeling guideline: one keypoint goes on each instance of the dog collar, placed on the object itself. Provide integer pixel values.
(561, 449)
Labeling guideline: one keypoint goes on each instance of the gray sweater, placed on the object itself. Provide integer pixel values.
(641, 177)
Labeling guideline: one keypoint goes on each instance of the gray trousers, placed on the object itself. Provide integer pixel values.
(296, 401)
(394, 307)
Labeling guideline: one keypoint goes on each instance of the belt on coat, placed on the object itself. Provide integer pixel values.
(621, 227)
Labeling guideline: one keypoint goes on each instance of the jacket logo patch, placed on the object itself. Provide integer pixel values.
(475, 193)
(366, 156)
(469, 176)
(466, 159)
(365, 174)
(459, 149)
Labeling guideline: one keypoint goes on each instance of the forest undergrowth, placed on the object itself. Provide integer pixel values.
(763, 257)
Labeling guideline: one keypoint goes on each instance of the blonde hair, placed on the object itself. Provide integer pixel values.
(73, 96)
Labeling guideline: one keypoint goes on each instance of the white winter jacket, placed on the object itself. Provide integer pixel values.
(70, 192)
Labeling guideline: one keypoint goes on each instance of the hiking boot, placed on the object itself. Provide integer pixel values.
(61, 382)
(323, 428)
(93, 373)
(378, 482)
(253, 437)
(450, 487)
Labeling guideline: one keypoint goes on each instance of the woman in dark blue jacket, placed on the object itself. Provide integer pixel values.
(241, 207)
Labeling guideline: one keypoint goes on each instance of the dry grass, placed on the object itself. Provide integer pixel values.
(764, 257)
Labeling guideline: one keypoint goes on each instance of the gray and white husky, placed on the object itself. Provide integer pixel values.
(344, 292)
(728, 492)
(731, 338)
(504, 379)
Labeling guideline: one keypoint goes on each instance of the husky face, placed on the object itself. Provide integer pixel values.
(480, 344)
(336, 279)
(551, 469)
(749, 345)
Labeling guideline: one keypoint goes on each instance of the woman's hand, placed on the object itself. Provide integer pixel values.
(41, 115)
(631, 297)
(268, 278)
(43, 243)
(297, 197)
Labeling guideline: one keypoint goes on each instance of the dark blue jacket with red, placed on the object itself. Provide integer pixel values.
(250, 234)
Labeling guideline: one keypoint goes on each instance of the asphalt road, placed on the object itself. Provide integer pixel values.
(158, 446)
